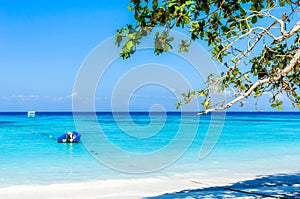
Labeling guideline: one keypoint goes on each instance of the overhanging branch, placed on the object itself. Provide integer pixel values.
(260, 82)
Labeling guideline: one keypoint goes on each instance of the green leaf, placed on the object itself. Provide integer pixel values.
(278, 103)
(189, 3)
(253, 8)
(254, 19)
(215, 15)
(178, 105)
(130, 8)
(201, 93)
(154, 4)
(185, 50)
(171, 38)
(206, 9)
(224, 28)
(129, 45)
(247, 77)
(170, 4)
(214, 52)
(206, 103)
(130, 36)
(166, 47)
(281, 3)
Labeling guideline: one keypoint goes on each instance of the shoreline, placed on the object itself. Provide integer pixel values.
(130, 188)
(123, 188)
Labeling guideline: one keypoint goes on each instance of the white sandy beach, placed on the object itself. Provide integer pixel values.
(119, 189)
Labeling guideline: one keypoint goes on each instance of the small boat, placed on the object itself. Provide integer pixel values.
(69, 137)
(31, 114)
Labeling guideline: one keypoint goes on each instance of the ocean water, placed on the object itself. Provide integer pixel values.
(254, 143)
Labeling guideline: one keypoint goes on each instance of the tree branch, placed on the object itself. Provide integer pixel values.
(288, 34)
(281, 74)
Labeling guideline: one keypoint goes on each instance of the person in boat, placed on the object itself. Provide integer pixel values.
(70, 136)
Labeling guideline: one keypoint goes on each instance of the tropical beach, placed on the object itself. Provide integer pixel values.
(36, 166)
(149, 99)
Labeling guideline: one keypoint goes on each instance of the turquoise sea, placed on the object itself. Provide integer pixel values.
(250, 143)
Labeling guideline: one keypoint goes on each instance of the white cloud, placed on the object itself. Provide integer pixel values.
(20, 98)
(74, 94)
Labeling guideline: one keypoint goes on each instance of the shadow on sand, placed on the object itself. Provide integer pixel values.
(280, 186)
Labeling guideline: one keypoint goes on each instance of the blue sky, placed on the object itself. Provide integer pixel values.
(44, 43)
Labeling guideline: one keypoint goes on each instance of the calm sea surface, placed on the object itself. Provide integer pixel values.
(259, 143)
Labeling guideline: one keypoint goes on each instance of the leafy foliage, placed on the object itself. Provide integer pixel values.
(256, 41)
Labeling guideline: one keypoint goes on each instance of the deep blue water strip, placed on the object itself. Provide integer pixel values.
(146, 113)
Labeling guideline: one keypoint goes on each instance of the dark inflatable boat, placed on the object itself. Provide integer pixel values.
(69, 137)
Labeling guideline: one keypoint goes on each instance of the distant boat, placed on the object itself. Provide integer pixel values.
(31, 114)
